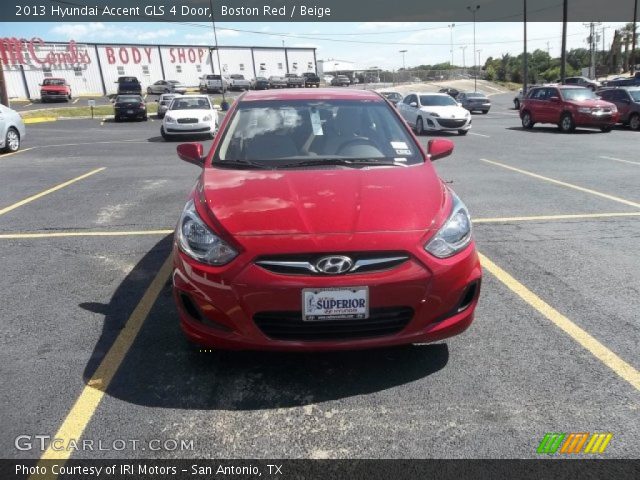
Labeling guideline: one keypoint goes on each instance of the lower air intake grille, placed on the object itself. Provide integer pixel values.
(290, 326)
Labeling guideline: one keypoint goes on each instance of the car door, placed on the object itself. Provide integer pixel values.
(622, 100)
(3, 122)
(551, 106)
(409, 112)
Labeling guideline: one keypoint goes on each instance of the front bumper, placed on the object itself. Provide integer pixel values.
(447, 124)
(223, 306)
(189, 128)
(596, 121)
(130, 112)
(54, 96)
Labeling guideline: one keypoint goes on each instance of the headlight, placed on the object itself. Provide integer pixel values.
(206, 118)
(169, 119)
(454, 235)
(199, 242)
(584, 109)
(433, 114)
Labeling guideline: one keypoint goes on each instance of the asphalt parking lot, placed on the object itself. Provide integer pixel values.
(91, 347)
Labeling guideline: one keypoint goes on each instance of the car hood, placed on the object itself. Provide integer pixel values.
(191, 113)
(299, 202)
(592, 103)
(447, 112)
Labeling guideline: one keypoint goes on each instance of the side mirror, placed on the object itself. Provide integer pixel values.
(191, 153)
(413, 104)
(554, 99)
(439, 148)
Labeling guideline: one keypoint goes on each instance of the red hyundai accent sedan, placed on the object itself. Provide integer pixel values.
(319, 223)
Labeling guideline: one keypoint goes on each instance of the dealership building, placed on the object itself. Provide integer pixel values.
(93, 68)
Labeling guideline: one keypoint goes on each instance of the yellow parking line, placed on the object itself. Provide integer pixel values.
(597, 349)
(620, 160)
(48, 191)
(542, 218)
(85, 406)
(13, 236)
(564, 184)
(5, 155)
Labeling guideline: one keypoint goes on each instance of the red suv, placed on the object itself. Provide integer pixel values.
(318, 222)
(567, 107)
(54, 89)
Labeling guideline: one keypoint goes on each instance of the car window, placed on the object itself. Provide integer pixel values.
(410, 98)
(54, 81)
(635, 95)
(190, 103)
(437, 101)
(270, 131)
(128, 98)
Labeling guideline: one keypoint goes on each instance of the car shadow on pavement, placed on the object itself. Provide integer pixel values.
(162, 370)
(577, 131)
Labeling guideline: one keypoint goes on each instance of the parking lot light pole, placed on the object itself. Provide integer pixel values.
(473, 11)
(451, 27)
(403, 52)
(464, 64)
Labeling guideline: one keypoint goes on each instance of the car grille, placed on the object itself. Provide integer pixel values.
(193, 130)
(187, 120)
(306, 264)
(451, 122)
(290, 326)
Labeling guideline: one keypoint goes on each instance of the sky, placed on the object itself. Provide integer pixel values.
(365, 44)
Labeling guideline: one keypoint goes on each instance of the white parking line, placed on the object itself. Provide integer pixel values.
(479, 135)
(76, 100)
(511, 114)
(620, 160)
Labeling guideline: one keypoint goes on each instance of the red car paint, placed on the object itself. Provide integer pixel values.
(322, 211)
(55, 89)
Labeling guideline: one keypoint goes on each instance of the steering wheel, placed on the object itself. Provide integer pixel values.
(357, 140)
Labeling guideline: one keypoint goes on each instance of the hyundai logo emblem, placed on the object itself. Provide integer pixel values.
(334, 264)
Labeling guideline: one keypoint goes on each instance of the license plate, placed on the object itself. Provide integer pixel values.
(129, 111)
(350, 303)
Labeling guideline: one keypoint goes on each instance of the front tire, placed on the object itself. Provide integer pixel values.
(463, 132)
(527, 120)
(634, 122)
(12, 141)
(516, 104)
(606, 129)
(419, 126)
(164, 134)
(567, 124)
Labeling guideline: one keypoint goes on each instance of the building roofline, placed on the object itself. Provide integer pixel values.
(126, 44)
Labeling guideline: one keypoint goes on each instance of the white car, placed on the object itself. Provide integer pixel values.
(434, 112)
(190, 115)
(12, 130)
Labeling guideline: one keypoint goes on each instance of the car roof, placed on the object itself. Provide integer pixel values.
(312, 94)
(434, 94)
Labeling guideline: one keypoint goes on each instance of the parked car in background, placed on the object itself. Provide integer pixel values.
(434, 112)
(12, 130)
(54, 89)
(340, 81)
(627, 101)
(213, 83)
(393, 97)
(166, 86)
(568, 107)
(129, 85)
(475, 101)
(276, 81)
(349, 241)
(189, 115)
(129, 107)
(164, 101)
(261, 83)
(311, 79)
(623, 82)
(238, 82)
(582, 82)
(452, 92)
(294, 80)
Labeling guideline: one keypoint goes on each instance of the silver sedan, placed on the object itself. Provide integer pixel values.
(12, 130)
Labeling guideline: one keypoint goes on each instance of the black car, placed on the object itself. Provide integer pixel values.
(474, 101)
(393, 97)
(453, 92)
(129, 106)
(311, 79)
(261, 83)
(129, 85)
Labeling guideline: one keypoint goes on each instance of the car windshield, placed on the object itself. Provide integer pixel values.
(275, 133)
(54, 81)
(578, 94)
(128, 99)
(237, 77)
(193, 103)
(437, 101)
(635, 94)
(174, 82)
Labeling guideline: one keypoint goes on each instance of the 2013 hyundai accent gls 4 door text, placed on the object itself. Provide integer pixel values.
(318, 222)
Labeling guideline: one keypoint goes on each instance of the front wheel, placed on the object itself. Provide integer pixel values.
(12, 141)
(527, 121)
(419, 126)
(516, 104)
(463, 132)
(606, 129)
(149, 91)
(634, 122)
(164, 134)
(567, 125)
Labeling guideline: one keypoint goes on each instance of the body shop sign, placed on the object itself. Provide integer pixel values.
(14, 51)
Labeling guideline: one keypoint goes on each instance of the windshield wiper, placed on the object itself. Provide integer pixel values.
(241, 164)
(349, 162)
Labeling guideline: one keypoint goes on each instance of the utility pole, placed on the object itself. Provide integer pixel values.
(633, 41)
(563, 55)
(451, 27)
(463, 48)
(525, 80)
(473, 11)
(403, 52)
